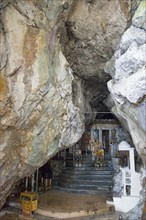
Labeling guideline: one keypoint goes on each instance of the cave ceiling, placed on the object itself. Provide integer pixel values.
(89, 39)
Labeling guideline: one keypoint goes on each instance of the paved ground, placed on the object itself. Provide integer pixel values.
(54, 200)
(9, 217)
(16, 217)
(54, 204)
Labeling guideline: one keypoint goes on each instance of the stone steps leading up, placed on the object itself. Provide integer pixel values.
(85, 179)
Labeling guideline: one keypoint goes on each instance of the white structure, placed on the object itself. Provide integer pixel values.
(130, 182)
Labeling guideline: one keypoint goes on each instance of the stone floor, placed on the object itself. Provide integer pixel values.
(16, 217)
(54, 204)
(54, 200)
(9, 217)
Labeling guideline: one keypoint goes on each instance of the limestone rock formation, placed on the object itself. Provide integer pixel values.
(38, 116)
(128, 84)
(52, 59)
(90, 38)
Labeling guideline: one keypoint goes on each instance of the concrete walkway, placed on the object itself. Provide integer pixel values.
(61, 205)
(68, 205)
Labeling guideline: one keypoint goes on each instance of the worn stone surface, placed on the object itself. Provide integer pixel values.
(44, 98)
(89, 39)
(128, 84)
(89, 35)
(38, 116)
(128, 91)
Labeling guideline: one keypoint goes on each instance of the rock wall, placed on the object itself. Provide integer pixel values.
(42, 99)
(128, 84)
(38, 116)
(92, 32)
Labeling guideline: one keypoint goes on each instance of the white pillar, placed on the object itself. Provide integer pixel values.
(124, 182)
(132, 159)
(100, 135)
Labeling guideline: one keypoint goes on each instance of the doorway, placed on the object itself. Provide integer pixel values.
(105, 140)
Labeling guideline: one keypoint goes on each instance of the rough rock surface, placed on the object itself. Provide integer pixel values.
(42, 103)
(42, 100)
(90, 38)
(128, 84)
(38, 116)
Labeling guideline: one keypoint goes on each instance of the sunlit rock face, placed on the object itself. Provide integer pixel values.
(38, 116)
(128, 84)
(52, 59)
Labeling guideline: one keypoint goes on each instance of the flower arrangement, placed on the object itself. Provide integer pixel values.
(100, 153)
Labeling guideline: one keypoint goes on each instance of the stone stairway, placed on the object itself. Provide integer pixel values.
(86, 179)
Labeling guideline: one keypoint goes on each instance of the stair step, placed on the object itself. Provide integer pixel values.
(82, 186)
(90, 168)
(85, 177)
(86, 182)
(87, 165)
(81, 191)
(88, 173)
(88, 160)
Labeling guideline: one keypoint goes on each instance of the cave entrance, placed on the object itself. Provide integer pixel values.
(83, 167)
(93, 153)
